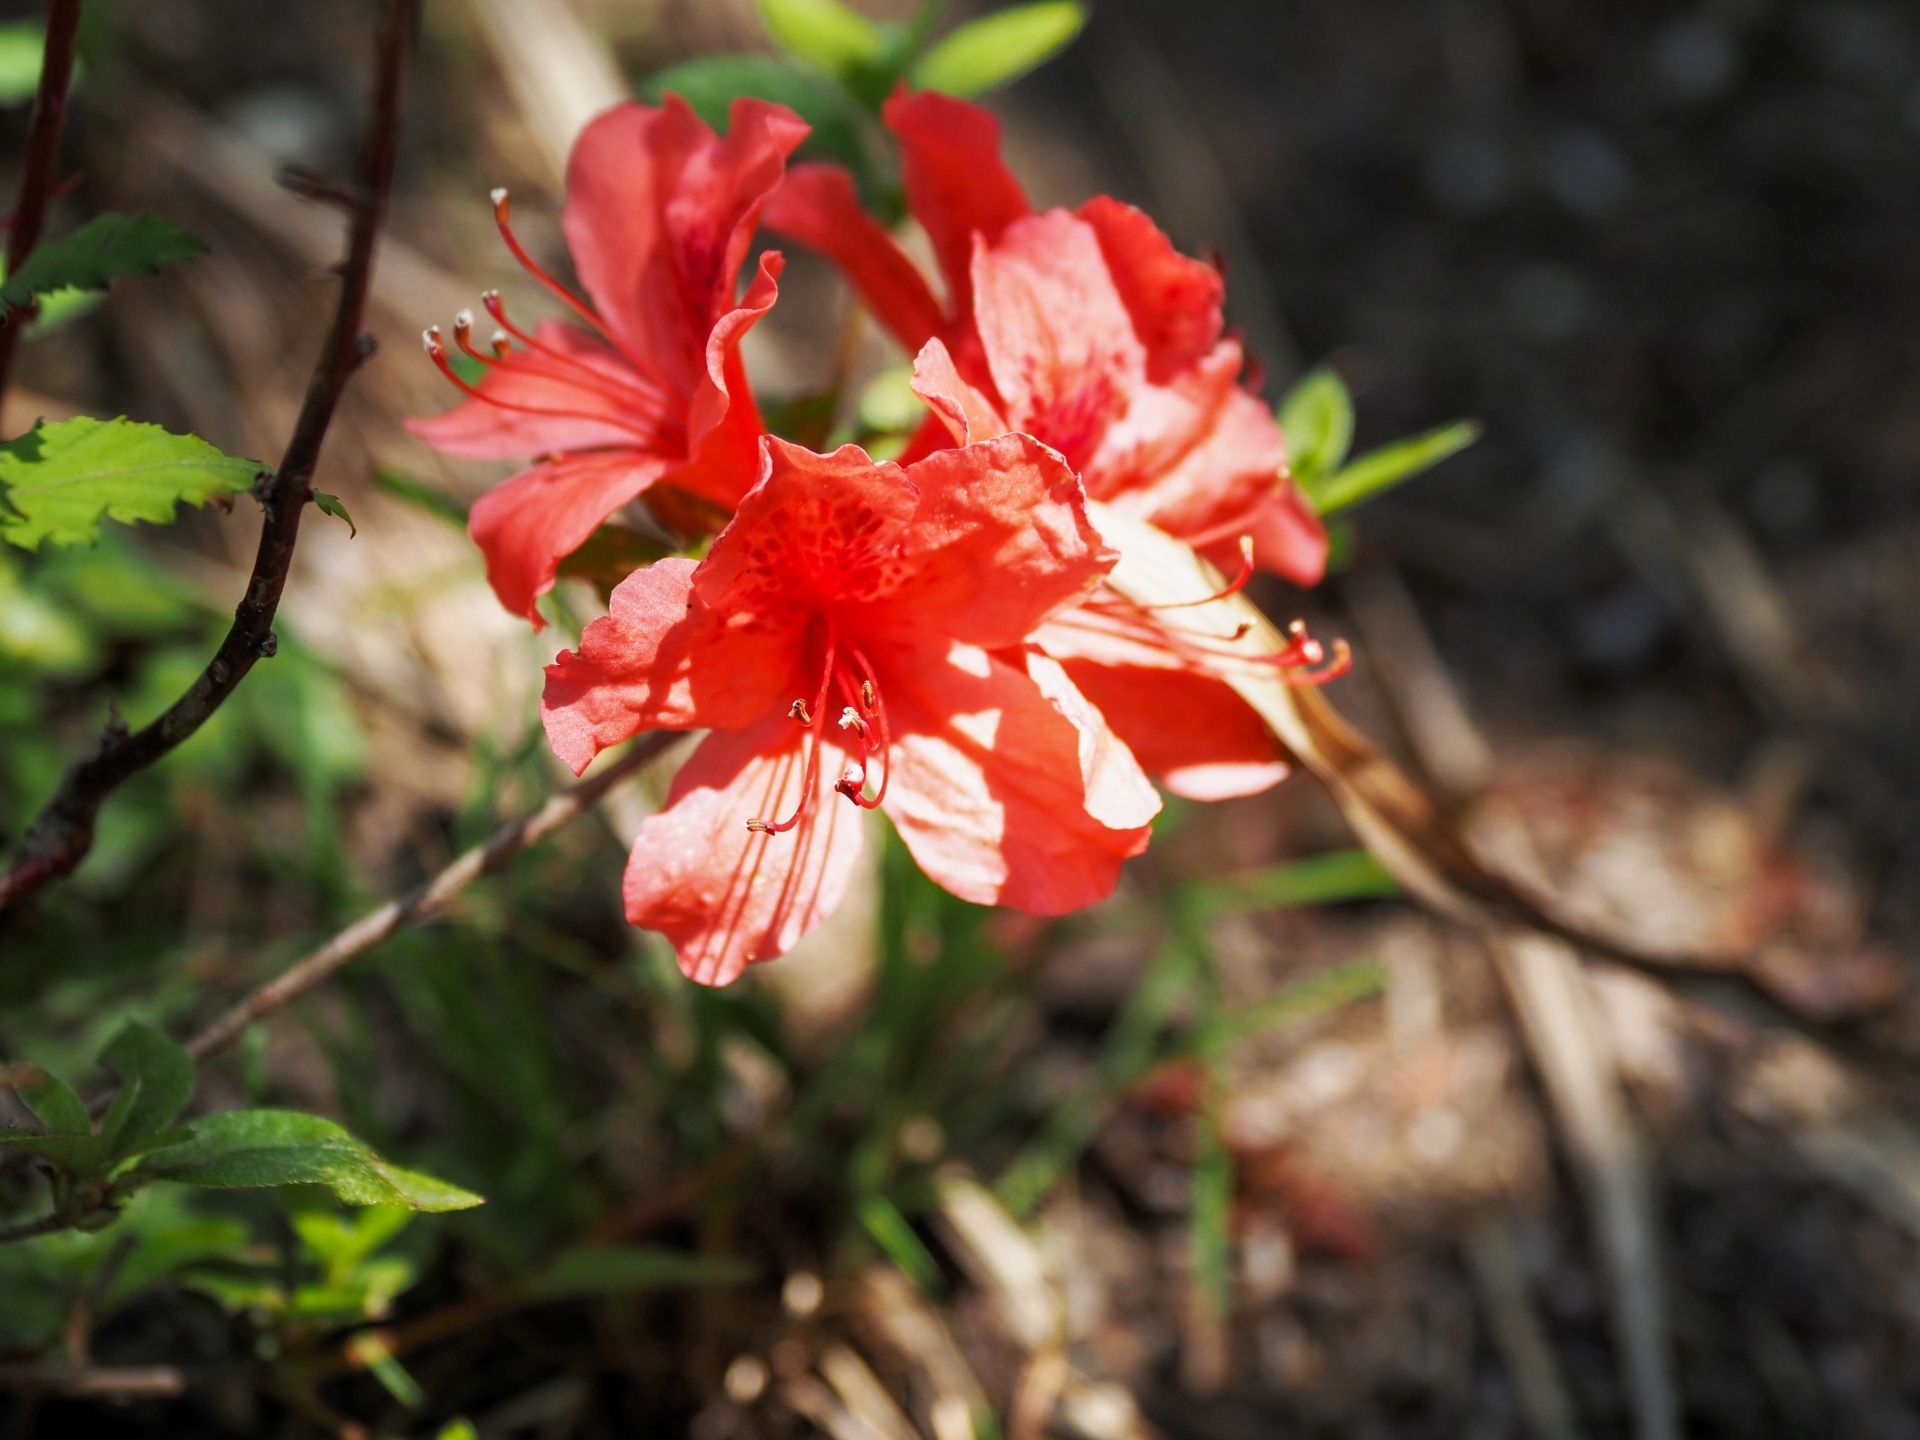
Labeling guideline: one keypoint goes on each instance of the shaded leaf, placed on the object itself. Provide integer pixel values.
(998, 48)
(106, 246)
(1315, 880)
(1380, 469)
(609, 555)
(824, 32)
(1317, 416)
(330, 505)
(163, 1073)
(52, 1100)
(62, 479)
(246, 1149)
(612, 1269)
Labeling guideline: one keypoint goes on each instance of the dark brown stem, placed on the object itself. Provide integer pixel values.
(43, 153)
(429, 900)
(62, 833)
(28, 1229)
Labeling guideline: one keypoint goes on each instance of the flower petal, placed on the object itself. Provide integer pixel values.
(1174, 300)
(817, 205)
(526, 526)
(957, 186)
(575, 393)
(1058, 340)
(967, 415)
(723, 424)
(727, 896)
(659, 215)
(1289, 539)
(661, 660)
(1189, 731)
(989, 784)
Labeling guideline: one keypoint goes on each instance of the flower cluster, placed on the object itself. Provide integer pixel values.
(930, 637)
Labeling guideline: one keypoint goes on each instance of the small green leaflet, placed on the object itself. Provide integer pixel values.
(242, 1149)
(1379, 469)
(21, 47)
(330, 505)
(106, 246)
(824, 32)
(999, 48)
(61, 480)
(1317, 416)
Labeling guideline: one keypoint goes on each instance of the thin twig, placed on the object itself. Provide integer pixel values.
(96, 1382)
(43, 153)
(430, 899)
(62, 833)
(28, 1229)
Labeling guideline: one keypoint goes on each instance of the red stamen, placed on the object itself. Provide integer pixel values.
(875, 707)
(780, 827)
(595, 380)
(463, 337)
(1234, 587)
(437, 352)
(502, 205)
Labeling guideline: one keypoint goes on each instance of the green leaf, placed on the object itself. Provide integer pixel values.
(614, 1269)
(1379, 469)
(1315, 880)
(1317, 416)
(430, 498)
(52, 1100)
(882, 1220)
(711, 83)
(141, 1055)
(62, 479)
(330, 505)
(21, 48)
(106, 246)
(999, 48)
(1314, 995)
(824, 32)
(248, 1149)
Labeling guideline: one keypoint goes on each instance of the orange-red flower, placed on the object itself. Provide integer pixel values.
(1086, 329)
(660, 212)
(857, 634)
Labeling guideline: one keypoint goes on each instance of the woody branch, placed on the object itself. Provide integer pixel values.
(62, 833)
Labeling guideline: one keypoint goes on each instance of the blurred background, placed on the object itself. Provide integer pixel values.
(1243, 1152)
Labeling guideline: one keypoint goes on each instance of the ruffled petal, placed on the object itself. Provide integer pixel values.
(817, 205)
(659, 215)
(967, 415)
(727, 896)
(957, 186)
(990, 784)
(661, 660)
(1174, 300)
(1058, 340)
(528, 525)
(574, 393)
(723, 425)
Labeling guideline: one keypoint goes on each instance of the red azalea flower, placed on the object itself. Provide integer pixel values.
(1159, 681)
(1086, 329)
(660, 212)
(857, 633)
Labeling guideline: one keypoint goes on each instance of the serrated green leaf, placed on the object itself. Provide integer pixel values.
(118, 1113)
(330, 505)
(711, 83)
(62, 479)
(106, 246)
(1317, 416)
(823, 32)
(21, 48)
(999, 48)
(141, 1055)
(1381, 469)
(613, 1269)
(52, 1100)
(250, 1149)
